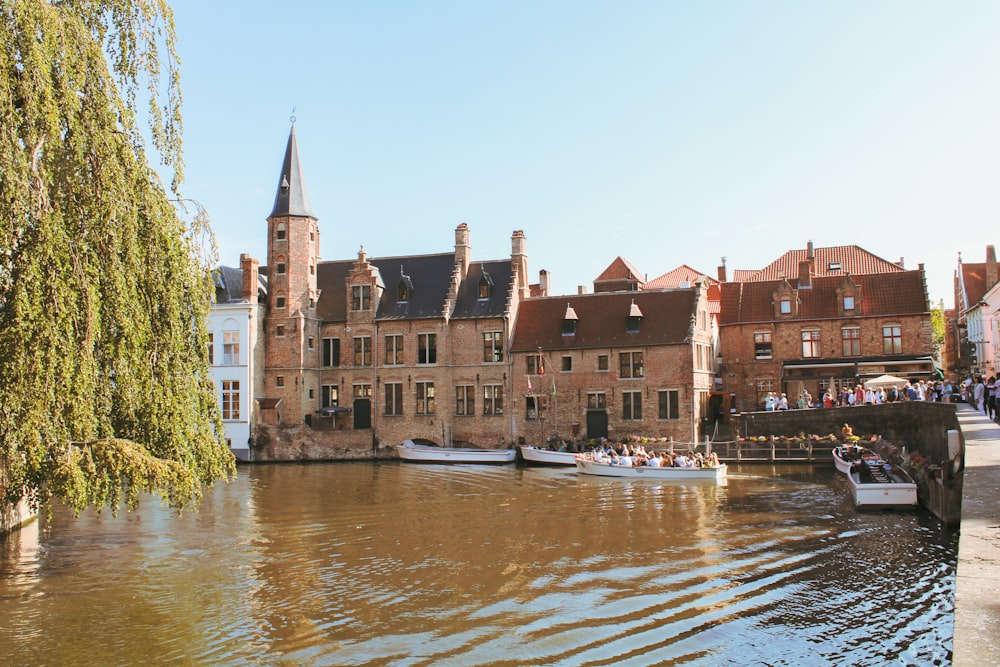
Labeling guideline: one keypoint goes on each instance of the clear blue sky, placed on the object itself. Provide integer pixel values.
(664, 132)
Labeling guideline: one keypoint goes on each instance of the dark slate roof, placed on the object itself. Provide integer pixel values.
(229, 284)
(429, 280)
(292, 197)
(499, 273)
(602, 318)
(902, 293)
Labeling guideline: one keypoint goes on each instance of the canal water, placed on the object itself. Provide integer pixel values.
(409, 564)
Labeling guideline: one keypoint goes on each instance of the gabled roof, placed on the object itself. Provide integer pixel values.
(973, 282)
(292, 198)
(620, 269)
(602, 318)
(429, 277)
(677, 277)
(229, 284)
(834, 261)
(882, 294)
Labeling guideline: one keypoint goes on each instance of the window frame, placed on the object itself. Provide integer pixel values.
(426, 349)
(634, 366)
(424, 393)
(632, 405)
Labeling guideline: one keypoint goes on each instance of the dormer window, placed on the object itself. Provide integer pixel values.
(849, 302)
(634, 318)
(785, 306)
(404, 287)
(569, 321)
(485, 285)
(834, 266)
(361, 297)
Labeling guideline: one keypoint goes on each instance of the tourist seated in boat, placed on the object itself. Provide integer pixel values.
(654, 461)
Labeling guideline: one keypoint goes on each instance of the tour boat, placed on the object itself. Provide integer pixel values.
(874, 482)
(588, 466)
(535, 455)
(411, 451)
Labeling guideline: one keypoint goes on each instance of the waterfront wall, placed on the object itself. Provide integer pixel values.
(301, 442)
(919, 426)
(13, 517)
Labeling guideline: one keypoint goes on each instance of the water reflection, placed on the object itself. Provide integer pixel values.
(410, 564)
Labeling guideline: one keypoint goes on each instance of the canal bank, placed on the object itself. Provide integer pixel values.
(977, 580)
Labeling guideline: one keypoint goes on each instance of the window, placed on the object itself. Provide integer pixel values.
(427, 348)
(230, 348)
(535, 366)
(361, 297)
(363, 351)
(403, 289)
(602, 362)
(465, 400)
(569, 327)
(363, 390)
(280, 268)
(765, 384)
(312, 344)
(280, 233)
(567, 364)
(810, 343)
(630, 364)
(492, 346)
(279, 302)
(331, 352)
(230, 399)
(632, 324)
(669, 404)
(312, 393)
(631, 405)
(393, 350)
(596, 400)
(532, 405)
(485, 283)
(851, 337)
(312, 269)
(393, 398)
(785, 306)
(892, 339)
(493, 399)
(279, 381)
(849, 302)
(425, 398)
(279, 330)
(211, 349)
(329, 396)
(762, 344)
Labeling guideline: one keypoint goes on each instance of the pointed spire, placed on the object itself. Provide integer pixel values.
(292, 197)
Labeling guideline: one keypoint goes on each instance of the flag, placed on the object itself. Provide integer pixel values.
(553, 386)
(529, 385)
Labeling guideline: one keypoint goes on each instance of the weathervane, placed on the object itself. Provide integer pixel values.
(292, 118)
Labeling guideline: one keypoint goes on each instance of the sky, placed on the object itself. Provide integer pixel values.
(665, 133)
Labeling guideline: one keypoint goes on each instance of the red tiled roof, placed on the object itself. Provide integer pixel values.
(620, 269)
(602, 319)
(675, 278)
(974, 281)
(850, 258)
(902, 293)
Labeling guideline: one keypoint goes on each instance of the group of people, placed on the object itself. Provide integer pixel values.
(637, 455)
(983, 394)
(859, 395)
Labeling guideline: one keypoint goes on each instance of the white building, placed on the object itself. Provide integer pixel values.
(234, 343)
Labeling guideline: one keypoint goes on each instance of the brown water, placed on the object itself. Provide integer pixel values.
(407, 564)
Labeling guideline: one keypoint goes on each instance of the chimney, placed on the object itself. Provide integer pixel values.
(543, 282)
(991, 266)
(519, 260)
(463, 251)
(805, 272)
(809, 250)
(722, 271)
(249, 267)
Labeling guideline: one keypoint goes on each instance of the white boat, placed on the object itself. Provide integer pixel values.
(536, 455)
(875, 483)
(589, 467)
(411, 451)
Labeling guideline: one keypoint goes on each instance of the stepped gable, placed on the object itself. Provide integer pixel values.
(837, 260)
(898, 293)
(602, 318)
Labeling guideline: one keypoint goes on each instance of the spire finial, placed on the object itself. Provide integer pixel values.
(292, 117)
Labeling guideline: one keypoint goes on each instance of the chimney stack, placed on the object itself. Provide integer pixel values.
(991, 266)
(249, 267)
(805, 273)
(722, 271)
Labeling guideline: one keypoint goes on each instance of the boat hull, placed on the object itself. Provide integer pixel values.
(548, 457)
(586, 467)
(875, 484)
(410, 451)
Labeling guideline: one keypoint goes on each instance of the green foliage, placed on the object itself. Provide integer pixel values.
(105, 390)
(938, 327)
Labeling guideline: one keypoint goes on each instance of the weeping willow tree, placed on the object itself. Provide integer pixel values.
(105, 391)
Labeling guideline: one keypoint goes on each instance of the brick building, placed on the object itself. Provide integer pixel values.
(842, 317)
(974, 332)
(612, 364)
(367, 352)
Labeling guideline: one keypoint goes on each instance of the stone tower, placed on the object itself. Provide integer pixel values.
(291, 329)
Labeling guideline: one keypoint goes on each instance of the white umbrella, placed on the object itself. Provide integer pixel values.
(886, 381)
